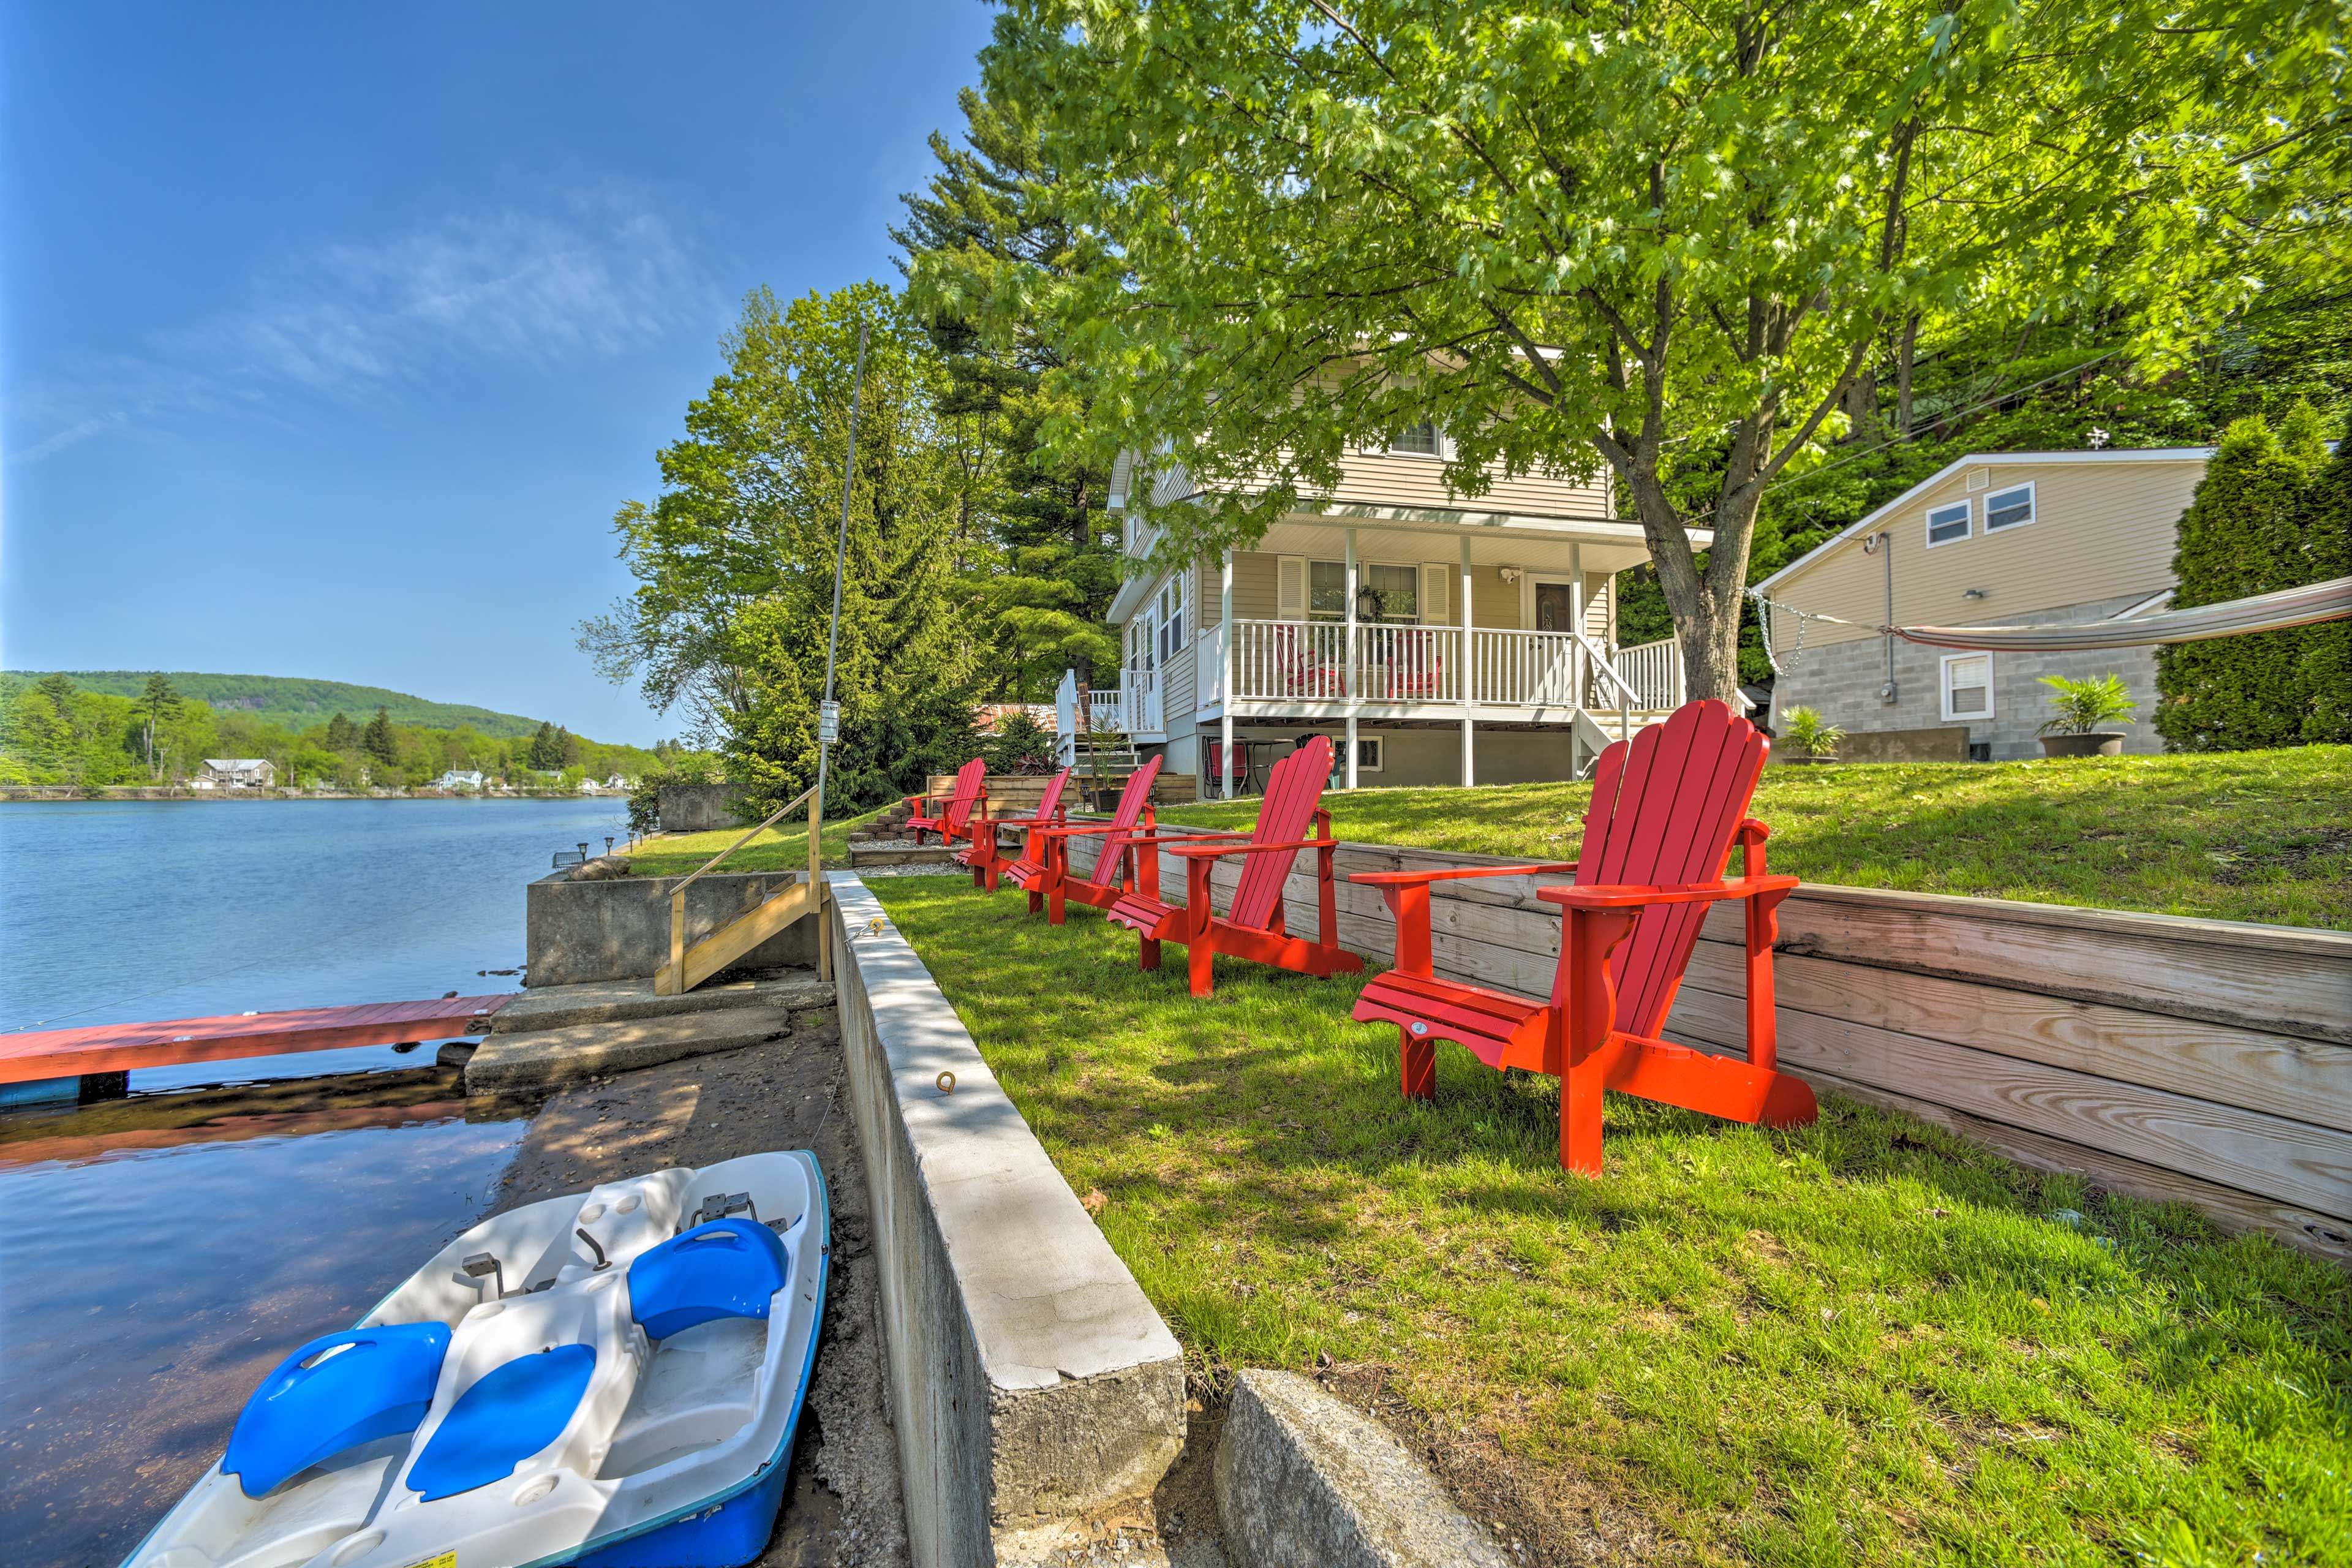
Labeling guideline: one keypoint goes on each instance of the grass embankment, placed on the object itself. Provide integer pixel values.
(779, 848)
(1863, 1341)
(2242, 836)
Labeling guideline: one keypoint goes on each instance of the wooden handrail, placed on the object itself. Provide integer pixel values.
(781, 811)
(672, 980)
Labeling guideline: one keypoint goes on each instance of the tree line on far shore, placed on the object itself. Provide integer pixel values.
(53, 732)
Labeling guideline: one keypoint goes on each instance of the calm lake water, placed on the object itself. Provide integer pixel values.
(164, 1251)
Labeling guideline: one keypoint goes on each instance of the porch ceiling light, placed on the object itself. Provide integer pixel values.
(1509, 573)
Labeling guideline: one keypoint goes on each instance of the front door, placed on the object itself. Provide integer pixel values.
(1555, 666)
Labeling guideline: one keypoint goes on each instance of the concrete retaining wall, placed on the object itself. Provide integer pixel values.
(1030, 1380)
(581, 929)
(700, 807)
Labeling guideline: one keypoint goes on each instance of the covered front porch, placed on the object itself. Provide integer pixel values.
(1339, 624)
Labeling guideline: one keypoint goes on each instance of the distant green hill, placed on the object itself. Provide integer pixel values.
(295, 703)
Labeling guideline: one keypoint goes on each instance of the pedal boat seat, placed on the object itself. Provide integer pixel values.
(725, 1269)
(332, 1394)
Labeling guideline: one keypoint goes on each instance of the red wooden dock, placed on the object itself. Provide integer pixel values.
(119, 1048)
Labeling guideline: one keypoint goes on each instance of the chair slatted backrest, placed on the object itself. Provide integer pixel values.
(1052, 798)
(1292, 794)
(1131, 800)
(1665, 812)
(967, 792)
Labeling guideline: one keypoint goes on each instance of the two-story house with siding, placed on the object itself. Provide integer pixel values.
(1435, 638)
(1991, 539)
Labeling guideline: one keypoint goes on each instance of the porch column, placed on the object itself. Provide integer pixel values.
(1584, 678)
(1226, 674)
(1347, 660)
(1467, 668)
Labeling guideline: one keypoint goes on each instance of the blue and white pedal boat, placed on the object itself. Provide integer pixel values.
(610, 1378)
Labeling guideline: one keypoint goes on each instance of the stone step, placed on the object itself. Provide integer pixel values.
(544, 1059)
(615, 1001)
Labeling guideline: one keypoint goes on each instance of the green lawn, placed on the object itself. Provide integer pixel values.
(2242, 836)
(1865, 1341)
(776, 849)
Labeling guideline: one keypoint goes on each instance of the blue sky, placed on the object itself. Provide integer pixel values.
(332, 336)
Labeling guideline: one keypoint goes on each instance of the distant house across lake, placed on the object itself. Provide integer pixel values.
(459, 778)
(234, 772)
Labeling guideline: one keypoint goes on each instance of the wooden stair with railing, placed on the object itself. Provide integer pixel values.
(691, 964)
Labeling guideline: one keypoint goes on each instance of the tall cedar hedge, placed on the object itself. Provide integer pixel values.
(2244, 534)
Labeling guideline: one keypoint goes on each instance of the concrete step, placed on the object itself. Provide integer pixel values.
(543, 1058)
(616, 1001)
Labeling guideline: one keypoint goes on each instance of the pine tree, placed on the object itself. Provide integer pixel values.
(157, 704)
(2241, 535)
(343, 735)
(2328, 553)
(377, 740)
(546, 753)
(1054, 565)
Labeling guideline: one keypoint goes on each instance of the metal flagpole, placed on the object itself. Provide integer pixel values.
(828, 722)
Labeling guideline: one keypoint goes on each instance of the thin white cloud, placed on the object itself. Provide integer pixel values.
(588, 276)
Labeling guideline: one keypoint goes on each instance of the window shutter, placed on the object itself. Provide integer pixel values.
(1432, 593)
(1290, 587)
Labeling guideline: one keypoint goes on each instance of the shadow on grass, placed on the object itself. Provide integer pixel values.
(1868, 1320)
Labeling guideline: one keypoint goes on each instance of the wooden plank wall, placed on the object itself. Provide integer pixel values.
(2207, 1062)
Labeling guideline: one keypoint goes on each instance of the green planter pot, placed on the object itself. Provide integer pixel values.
(2097, 743)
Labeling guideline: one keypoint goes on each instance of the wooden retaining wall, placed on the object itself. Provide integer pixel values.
(2208, 1061)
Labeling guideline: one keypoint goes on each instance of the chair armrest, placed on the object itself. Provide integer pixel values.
(1627, 898)
(1213, 851)
(1410, 879)
(1080, 830)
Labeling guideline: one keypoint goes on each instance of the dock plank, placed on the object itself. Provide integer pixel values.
(123, 1048)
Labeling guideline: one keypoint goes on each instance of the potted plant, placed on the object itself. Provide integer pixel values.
(2078, 708)
(1810, 736)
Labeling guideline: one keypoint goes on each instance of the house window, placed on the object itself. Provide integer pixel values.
(1422, 440)
(1968, 686)
(1171, 616)
(1368, 754)
(1139, 645)
(1327, 591)
(2009, 509)
(1388, 593)
(1947, 524)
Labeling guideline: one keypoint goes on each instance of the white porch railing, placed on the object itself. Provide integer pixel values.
(1133, 706)
(1654, 670)
(1311, 661)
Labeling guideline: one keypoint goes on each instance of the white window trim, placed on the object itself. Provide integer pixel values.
(1363, 577)
(1444, 453)
(1379, 750)
(2032, 508)
(1927, 522)
(1944, 688)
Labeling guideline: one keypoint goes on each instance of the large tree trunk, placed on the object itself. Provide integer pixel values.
(1705, 604)
(1905, 352)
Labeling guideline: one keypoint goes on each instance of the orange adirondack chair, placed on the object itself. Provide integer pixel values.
(1666, 813)
(1254, 927)
(982, 854)
(1043, 869)
(950, 817)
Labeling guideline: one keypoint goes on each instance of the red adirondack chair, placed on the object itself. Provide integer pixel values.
(1667, 810)
(1043, 869)
(1254, 927)
(983, 856)
(949, 816)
